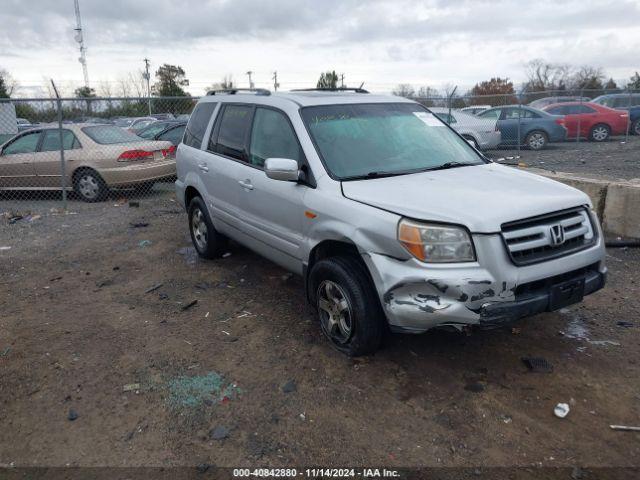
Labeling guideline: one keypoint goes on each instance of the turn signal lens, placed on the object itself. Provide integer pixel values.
(436, 243)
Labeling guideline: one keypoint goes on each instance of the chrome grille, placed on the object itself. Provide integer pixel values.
(549, 236)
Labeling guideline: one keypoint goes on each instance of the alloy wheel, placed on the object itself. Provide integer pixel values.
(536, 141)
(88, 186)
(199, 229)
(600, 133)
(335, 311)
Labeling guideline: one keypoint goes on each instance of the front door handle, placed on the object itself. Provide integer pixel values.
(246, 184)
(203, 167)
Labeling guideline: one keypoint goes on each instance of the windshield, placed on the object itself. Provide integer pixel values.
(110, 134)
(369, 140)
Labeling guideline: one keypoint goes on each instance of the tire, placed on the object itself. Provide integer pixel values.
(536, 140)
(89, 185)
(347, 304)
(599, 133)
(635, 127)
(206, 239)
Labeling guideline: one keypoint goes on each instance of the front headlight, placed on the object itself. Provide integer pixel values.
(436, 243)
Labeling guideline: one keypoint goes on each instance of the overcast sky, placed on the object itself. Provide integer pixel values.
(379, 42)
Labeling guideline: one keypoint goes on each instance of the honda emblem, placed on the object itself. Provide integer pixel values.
(557, 235)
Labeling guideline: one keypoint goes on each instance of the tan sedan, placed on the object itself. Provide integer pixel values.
(97, 157)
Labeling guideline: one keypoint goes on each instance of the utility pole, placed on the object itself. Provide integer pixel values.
(79, 38)
(249, 73)
(275, 81)
(147, 76)
(342, 80)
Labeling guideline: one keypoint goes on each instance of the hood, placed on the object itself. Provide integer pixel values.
(481, 197)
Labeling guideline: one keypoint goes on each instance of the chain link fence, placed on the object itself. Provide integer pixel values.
(61, 151)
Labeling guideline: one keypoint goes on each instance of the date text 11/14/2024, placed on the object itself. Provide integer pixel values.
(317, 472)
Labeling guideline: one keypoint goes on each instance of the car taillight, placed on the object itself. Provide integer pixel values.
(169, 152)
(133, 155)
(624, 115)
(560, 121)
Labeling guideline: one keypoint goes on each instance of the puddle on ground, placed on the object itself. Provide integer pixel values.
(190, 255)
(577, 330)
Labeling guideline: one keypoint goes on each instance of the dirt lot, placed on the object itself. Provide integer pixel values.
(615, 158)
(244, 377)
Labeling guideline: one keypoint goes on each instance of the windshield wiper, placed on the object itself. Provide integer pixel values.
(376, 174)
(448, 165)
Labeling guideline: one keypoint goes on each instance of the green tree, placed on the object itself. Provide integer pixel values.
(634, 84)
(169, 81)
(85, 92)
(611, 85)
(7, 84)
(328, 80)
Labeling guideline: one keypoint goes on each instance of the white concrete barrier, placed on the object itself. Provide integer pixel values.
(617, 202)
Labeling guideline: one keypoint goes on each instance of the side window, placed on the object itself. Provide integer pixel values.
(197, 125)
(174, 135)
(557, 111)
(24, 144)
(51, 140)
(509, 113)
(584, 109)
(495, 114)
(234, 127)
(272, 137)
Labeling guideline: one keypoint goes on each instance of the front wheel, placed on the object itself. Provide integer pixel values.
(206, 239)
(536, 140)
(90, 186)
(635, 127)
(599, 133)
(347, 304)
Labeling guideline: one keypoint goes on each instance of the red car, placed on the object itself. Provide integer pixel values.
(596, 122)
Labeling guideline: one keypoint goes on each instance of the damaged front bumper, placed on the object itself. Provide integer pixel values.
(417, 297)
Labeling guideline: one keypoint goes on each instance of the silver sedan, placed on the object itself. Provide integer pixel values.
(482, 132)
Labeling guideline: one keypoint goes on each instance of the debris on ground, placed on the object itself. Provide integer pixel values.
(5, 352)
(133, 204)
(185, 391)
(131, 387)
(475, 387)
(604, 343)
(163, 296)
(144, 243)
(104, 283)
(189, 305)
(138, 224)
(290, 386)
(73, 415)
(226, 255)
(14, 219)
(2, 249)
(219, 433)
(620, 324)
(154, 288)
(537, 364)
(624, 428)
(561, 410)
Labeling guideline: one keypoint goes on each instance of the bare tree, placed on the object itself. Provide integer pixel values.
(404, 90)
(227, 83)
(587, 78)
(8, 84)
(543, 76)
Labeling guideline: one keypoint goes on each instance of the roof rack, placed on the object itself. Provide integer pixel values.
(233, 91)
(329, 89)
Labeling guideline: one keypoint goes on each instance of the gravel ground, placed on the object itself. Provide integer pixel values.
(99, 368)
(613, 159)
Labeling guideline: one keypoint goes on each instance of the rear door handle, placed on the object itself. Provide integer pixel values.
(246, 184)
(203, 167)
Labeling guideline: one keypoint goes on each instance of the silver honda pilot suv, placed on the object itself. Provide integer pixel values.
(391, 218)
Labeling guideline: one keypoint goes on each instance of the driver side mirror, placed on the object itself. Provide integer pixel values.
(284, 169)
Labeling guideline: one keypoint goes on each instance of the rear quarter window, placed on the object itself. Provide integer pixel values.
(198, 122)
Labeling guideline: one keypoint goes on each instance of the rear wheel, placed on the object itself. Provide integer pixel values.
(536, 140)
(599, 133)
(206, 239)
(347, 304)
(89, 185)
